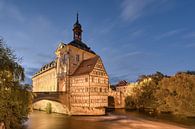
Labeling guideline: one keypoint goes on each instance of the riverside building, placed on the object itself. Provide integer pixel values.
(77, 72)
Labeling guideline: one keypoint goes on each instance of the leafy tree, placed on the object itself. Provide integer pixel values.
(148, 85)
(177, 94)
(130, 103)
(15, 98)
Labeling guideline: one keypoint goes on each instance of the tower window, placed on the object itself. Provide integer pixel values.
(77, 58)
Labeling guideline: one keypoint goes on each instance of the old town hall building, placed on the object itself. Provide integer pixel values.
(78, 72)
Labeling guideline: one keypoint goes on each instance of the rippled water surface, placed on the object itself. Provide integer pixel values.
(116, 120)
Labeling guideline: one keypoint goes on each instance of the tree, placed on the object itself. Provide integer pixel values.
(148, 85)
(130, 103)
(15, 98)
(177, 94)
(170, 94)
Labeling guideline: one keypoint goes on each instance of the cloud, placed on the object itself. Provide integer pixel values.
(169, 33)
(45, 56)
(128, 55)
(28, 80)
(10, 11)
(125, 65)
(189, 35)
(114, 78)
(33, 37)
(136, 33)
(29, 71)
(191, 45)
(128, 76)
(133, 53)
(134, 9)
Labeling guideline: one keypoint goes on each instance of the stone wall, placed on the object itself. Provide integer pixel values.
(121, 93)
(87, 111)
(119, 99)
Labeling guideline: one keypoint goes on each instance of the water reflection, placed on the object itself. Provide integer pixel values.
(41, 120)
(116, 120)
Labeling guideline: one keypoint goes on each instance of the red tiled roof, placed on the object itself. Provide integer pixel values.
(86, 66)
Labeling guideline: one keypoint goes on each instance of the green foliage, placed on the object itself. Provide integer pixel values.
(177, 94)
(145, 93)
(49, 108)
(174, 94)
(130, 103)
(15, 98)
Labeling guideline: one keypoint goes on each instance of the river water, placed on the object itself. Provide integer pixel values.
(115, 120)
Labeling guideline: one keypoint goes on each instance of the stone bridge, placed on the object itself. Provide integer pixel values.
(58, 101)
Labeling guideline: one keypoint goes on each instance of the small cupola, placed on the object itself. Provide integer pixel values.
(77, 30)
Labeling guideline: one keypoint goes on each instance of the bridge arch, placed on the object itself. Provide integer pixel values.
(56, 106)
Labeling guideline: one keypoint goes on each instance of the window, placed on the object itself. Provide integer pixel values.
(86, 79)
(98, 80)
(77, 58)
(65, 58)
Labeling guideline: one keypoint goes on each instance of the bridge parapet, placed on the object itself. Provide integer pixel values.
(54, 96)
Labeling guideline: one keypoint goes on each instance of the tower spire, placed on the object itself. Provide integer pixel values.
(77, 29)
(77, 17)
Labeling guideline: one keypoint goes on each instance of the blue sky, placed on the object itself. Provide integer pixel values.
(133, 37)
